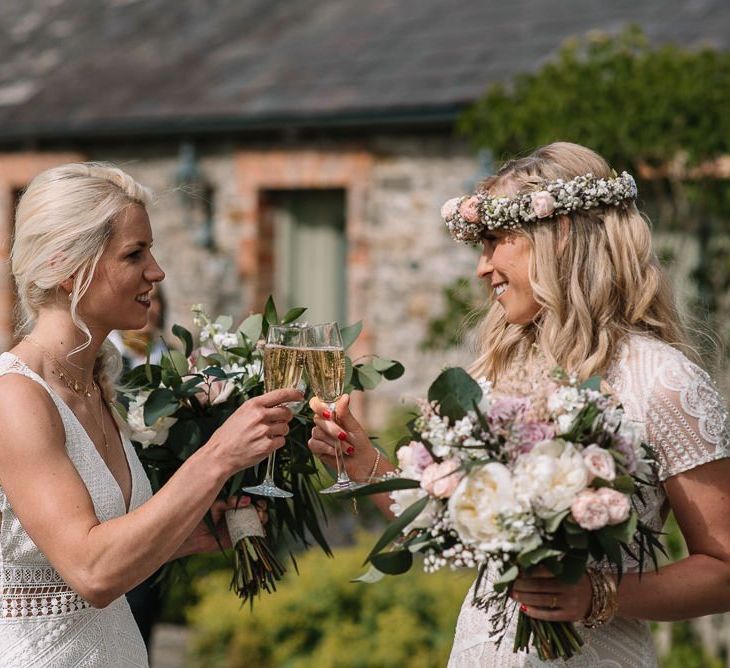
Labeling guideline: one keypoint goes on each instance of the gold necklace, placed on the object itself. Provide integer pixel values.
(77, 387)
(68, 379)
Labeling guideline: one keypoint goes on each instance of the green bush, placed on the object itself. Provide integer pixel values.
(320, 618)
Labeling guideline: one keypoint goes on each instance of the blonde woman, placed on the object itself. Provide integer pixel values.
(79, 526)
(580, 286)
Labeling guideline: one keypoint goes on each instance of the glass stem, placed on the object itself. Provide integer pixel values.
(269, 478)
(342, 476)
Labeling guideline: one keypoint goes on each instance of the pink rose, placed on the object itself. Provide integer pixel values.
(450, 207)
(414, 457)
(543, 204)
(589, 510)
(216, 392)
(531, 433)
(508, 408)
(617, 504)
(599, 462)
(469, 209)
(440, 480)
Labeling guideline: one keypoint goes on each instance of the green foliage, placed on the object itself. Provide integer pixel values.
(464, 306)
(323, 619)
(687, 650)
(621, 96)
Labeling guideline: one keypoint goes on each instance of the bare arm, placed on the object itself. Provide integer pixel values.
(360, 454)
(103, 560)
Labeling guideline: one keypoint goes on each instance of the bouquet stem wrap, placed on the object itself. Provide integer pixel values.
(255, 566)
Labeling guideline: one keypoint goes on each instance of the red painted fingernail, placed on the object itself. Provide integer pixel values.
(326, 415)
(342, 436)
(523, 608)
(350, 450)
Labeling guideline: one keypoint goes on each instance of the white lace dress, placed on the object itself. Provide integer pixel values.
(43, 621)
(681, 414)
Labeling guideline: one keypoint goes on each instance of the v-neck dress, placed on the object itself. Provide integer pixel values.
(43, 621)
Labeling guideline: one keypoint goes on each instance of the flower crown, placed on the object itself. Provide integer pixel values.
(470, 217)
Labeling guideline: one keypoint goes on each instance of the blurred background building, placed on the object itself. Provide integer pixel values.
(297, 148)
(304, 147)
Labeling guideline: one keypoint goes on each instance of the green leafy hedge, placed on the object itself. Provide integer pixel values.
(322, 619)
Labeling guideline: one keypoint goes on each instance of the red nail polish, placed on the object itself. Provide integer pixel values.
(350, 450)
(326, 415)
(523, 608)
(342, 436)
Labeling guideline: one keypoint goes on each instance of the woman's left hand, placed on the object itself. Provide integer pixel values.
(201, 540)
(543, 596)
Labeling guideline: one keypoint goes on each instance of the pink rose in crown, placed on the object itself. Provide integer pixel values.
(440, 480)
(450, 207)
(469, 209)
(589, 510)
(617, 504)
(543, 204)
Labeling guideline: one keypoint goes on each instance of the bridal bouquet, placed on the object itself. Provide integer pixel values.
(504, 483)
(173, 408)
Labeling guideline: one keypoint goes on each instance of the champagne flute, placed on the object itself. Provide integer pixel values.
(283, 365)
(325, 362)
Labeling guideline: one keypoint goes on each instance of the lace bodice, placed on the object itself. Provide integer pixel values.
(43, 621)
(679, 412)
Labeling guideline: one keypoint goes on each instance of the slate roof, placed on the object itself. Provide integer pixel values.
(75, 68)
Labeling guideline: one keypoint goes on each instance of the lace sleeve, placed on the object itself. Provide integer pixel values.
(687, 418)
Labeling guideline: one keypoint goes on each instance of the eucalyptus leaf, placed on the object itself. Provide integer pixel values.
(534, 557)
(456, 392)
(369, 377)
(251, 327)
(505, 578)
(552, 523)
(393, 563)
(350, 333)
(160, 403)
(593, 383)
(371, 576)
(394, 372)
(179, 362)
(185, 337)
(380, 364)
(270, 314)
(396, 527)
(292, 315)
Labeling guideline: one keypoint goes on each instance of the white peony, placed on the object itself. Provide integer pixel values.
(155, 434)
(479, 504)
(551, 475)
(404, 498)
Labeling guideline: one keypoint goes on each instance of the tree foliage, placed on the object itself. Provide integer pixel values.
(630, 101)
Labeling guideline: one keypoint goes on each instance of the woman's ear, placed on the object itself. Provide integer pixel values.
(67, 285)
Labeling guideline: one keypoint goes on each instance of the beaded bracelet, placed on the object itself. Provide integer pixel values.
(375, 465)
(604, 599)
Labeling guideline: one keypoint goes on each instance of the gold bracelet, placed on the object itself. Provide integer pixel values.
(375, 465)
(604, 599)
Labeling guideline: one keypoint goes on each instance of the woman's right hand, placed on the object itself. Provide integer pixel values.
(256, 429)
(359, 453)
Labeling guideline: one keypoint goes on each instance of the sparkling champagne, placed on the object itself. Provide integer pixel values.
(326, 371)
(282, 367)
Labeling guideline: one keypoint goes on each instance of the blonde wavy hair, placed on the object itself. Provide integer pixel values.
(594, 274)
(63, 223)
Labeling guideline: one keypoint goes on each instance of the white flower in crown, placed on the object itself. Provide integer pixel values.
(450, 208)
(543, 204)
